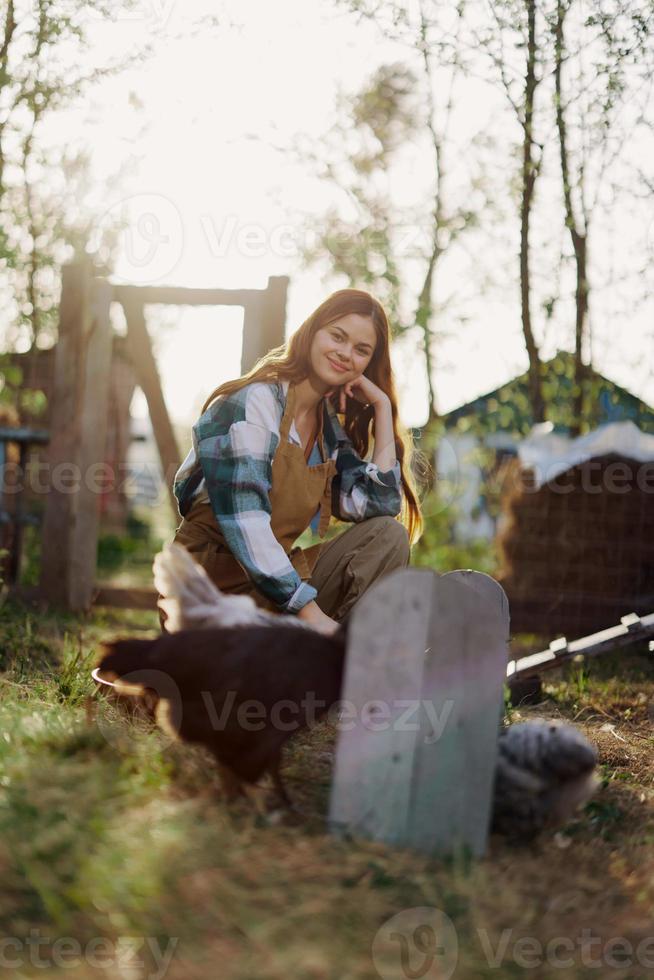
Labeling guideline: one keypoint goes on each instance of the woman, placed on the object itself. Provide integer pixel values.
(270, 458)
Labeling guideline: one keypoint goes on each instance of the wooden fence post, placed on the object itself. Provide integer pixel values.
(264, 321)
(424, 675)
(91, 451)
(74, 316)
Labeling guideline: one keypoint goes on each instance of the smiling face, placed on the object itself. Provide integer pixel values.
(342, 350)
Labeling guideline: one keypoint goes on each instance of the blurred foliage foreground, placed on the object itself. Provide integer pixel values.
(116, 840)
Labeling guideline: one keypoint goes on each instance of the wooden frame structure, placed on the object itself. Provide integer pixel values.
(79, 409)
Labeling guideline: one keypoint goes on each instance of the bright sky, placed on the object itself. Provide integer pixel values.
(215, 109)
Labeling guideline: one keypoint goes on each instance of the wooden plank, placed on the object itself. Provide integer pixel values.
(115, 504)
(251, 349)
(435, 647)
(463, 679)
(185, 296)
(387, 637)
(65, 423)
(91, 448)
(627, 632)
(145, 367)
(264, 322)
(125, 598)
(273, 326)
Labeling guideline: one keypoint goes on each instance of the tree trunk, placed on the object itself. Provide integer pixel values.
(423, 316)
(576, 226)
(529, 172)
(425, 300)
(581, 315)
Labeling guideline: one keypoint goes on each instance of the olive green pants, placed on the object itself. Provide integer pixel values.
(351, 562)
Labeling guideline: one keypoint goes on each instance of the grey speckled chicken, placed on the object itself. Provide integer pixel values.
(545, 771)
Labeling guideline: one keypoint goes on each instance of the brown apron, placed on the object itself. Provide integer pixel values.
(297, 490)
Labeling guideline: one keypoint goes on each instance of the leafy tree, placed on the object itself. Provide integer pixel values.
(511, 39)
(407, 104)
(42, 217)
(357, 156)
(603, 58)
(567, 69)
(48, 195)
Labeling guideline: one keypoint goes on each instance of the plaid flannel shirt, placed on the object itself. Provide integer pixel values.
(230, 466)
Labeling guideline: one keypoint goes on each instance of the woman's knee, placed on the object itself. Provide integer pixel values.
(394, 537)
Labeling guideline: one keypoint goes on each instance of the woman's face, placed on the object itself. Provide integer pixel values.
(342, 350)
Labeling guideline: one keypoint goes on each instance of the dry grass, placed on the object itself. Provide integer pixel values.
(128, 836)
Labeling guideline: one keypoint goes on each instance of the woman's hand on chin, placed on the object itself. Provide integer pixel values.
(362, 390)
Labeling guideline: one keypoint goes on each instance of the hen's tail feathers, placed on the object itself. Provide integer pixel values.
(545, 771)
(190, 600)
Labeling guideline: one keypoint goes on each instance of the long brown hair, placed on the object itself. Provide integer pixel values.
(290, 362)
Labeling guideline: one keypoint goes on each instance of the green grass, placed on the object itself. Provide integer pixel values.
(107, 830)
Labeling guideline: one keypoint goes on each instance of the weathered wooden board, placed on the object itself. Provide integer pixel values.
(463, 677)
(65, 427)
(434, 650)
(264, 321)
(632, 629)
(125, 598)
(91, 448)
(373, 774)
(184, 295)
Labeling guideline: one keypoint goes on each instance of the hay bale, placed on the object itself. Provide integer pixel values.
(578, 552)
